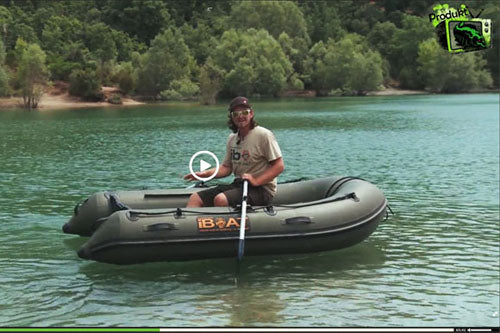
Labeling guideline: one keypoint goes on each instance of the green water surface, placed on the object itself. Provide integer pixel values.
(435, 263)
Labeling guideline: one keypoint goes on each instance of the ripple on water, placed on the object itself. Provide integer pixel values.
(434, 263)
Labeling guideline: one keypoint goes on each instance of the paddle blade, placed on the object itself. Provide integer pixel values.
(241, 249)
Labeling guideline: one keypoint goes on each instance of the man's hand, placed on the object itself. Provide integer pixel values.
(223, 172)
(251, 179)
(190, 176)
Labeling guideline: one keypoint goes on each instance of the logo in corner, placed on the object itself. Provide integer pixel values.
(459, 31)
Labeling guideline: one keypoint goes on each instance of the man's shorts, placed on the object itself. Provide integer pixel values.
(257, 195)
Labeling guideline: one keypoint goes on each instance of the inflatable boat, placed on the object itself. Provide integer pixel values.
(306, 216)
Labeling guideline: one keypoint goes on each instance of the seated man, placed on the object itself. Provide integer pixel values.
(252, 153)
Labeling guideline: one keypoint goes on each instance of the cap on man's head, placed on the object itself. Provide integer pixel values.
(239, 101)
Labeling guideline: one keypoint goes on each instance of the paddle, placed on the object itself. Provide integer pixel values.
(241, 244)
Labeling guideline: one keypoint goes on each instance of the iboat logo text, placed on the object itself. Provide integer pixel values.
(460, 31)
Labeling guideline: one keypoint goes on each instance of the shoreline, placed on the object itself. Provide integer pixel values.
(59, 98)
(51, 101)
(396, 92)
(62, 102)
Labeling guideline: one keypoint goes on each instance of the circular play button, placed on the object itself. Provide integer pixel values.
(204, 165)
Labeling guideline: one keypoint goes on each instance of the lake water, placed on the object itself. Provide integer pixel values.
(434, 263)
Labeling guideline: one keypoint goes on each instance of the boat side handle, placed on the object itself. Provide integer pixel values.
(298, 220)
(160, 226)
(78, 205)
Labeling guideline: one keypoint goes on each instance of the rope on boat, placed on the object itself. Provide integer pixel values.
(387, 213)
(178, 211)
(113, 198)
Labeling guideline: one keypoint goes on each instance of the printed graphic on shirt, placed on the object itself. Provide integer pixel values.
(245, 155)
(240, 156)
(252, 154)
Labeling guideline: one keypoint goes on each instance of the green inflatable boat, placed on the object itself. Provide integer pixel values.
(130, 227)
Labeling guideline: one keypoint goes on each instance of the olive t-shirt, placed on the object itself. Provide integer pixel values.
(252, 154)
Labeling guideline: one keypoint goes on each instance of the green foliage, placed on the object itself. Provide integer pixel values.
(16, 24)
(32, 75)
(4, 77)
(115, 99)
(85, 84)
(381, 36)
(59, 33)
(100, 42)
(254, 63)
(5, 22)
(125, 45)
(167, 59)
(278, 18)
(323, 20)
(17, 53)
(61, 69)
(274, 16)
(450, 73)
(65, 48)
(359, 17)
(125, 77)
(182, 49)
(492, 55)
(200, 40)
(180, 90)
(403, 49)
(142, 19)
(211, 79)
(295, 52)
(347, 65)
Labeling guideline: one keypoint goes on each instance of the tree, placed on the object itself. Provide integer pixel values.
(492, 55)
(16, 23)
(254, 63)
(445, 72)
(277, 17)
(180, 89)
(85, 84)
(274, 16)
(347, 65)
(4, 78)
(403, 50)
(211, 79)
(358, 16)
(102, 47)
(5, 22)
(200, 40)
(167, 59)
(296, 57)
(32, 75)
(366, 69)
(143, 19)
(125, 76)
(323, 20)
(380, 37)
(66, 50)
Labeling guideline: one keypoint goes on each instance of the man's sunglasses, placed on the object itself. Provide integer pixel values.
(241, 112)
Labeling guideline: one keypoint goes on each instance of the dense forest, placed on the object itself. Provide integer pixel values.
(193, 49)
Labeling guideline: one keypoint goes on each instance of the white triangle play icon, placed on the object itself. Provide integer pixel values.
(204, 165)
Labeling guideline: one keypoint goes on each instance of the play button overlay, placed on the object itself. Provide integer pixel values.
(204, 165)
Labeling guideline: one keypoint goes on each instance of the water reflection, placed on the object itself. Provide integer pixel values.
(249, 305)
(322, 265)
(218, 294)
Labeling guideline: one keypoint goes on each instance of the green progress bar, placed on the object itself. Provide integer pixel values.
(79, 330)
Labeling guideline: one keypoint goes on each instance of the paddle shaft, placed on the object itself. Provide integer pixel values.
(241, 244)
